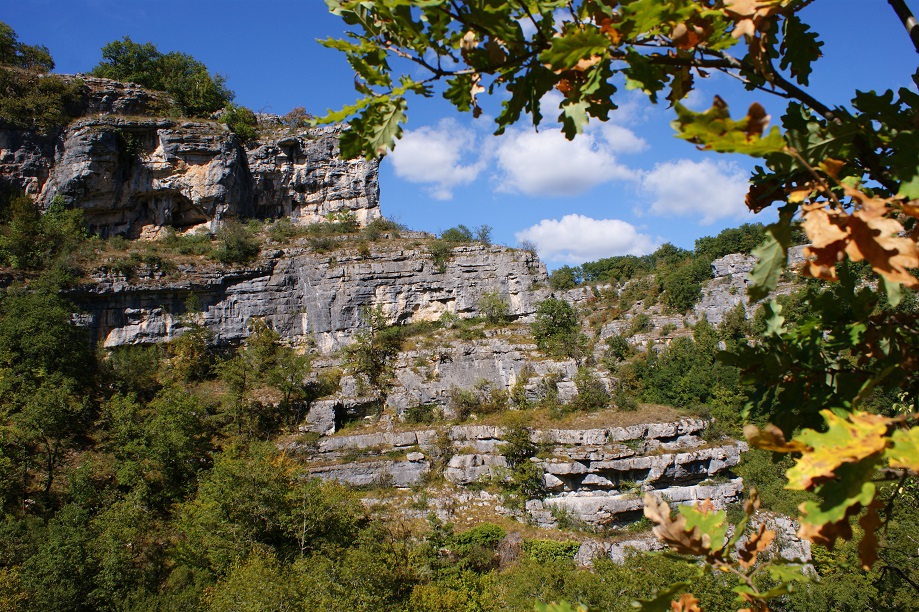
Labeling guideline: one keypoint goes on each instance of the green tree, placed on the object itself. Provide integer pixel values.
(494, 306)
(557, 329)
(193, 88)
(374, 350)
(564, 278)
(29, 97)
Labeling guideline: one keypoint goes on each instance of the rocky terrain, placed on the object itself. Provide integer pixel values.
(135, 175)
(143, 177)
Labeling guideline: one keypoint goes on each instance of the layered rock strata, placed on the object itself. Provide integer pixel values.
(594, 476)
(138, 175)
(306, 296)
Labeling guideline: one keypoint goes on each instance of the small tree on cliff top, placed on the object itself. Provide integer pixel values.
(849, 176)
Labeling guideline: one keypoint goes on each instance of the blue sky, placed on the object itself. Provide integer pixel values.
(624, 187)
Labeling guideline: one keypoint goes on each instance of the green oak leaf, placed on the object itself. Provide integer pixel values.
(567, 50)
(771, 257)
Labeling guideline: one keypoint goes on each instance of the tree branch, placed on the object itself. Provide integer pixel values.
(909, 22)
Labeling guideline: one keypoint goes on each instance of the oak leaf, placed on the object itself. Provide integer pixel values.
(905, 450)
(686, 603)
(673, 531)
(847, 439)
(771, 438)
(868, 547)
(755, 544)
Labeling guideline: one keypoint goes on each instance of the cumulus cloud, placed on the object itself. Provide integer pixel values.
(577, 238)
(438, 157)
(621, 139)
(546, 164)
(712, 190)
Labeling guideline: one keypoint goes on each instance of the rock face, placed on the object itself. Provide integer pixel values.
(305, 295)
(594, 476)
(136, 176)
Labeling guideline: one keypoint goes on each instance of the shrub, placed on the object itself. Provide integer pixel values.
(195, 90)
(296, 119)
(557, 329)
(495, 307)
(241, 121)
(564, 278)
(483, 234)
(550, 551)
(440, 251)
(282, 230)
(239, 246)
(592, 393)
(618, 350)
(420, 414)
(30, 240)
(196, 243)
(683, 284)
(640, 323)
(486, 535)
(378, 227)
(460, 233)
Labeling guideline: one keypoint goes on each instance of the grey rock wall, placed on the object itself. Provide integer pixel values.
(304, 295)
(136, 175)
(592, 475)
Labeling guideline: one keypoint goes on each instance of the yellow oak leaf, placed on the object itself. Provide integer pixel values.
(868, 547)
(686, 603)
(847, 440)
(772, 439)
(905, 451)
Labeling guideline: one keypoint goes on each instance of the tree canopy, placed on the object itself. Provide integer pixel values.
(193, 88)
(839, 383)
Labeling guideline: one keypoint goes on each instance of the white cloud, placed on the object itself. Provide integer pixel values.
(546, 164)
(576, 238)
(435, 156)
(712, 190)
(621, 139)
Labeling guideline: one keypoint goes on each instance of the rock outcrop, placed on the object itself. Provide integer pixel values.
(306, 295)
(594, 476)
(136, 175)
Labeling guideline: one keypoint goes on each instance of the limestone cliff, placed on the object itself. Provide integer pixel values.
(303, 294)
(135, 174)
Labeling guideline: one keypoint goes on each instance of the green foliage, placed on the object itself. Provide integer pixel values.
(377, 228)
(481, 399)
(440, 251)
(741, 239)
(557, 329)
(374, 349)
(30, 240)
(550, 551)
(484, 535)
(194, 90)
(493, 305)
(241, 121)
(564, 278)
(238, 245)
(592, 394)
(618, 350)
(682, 285)
(460, 233)
(420, 414)
(29, 97)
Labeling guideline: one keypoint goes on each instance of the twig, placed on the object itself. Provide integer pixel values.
(909, 22)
